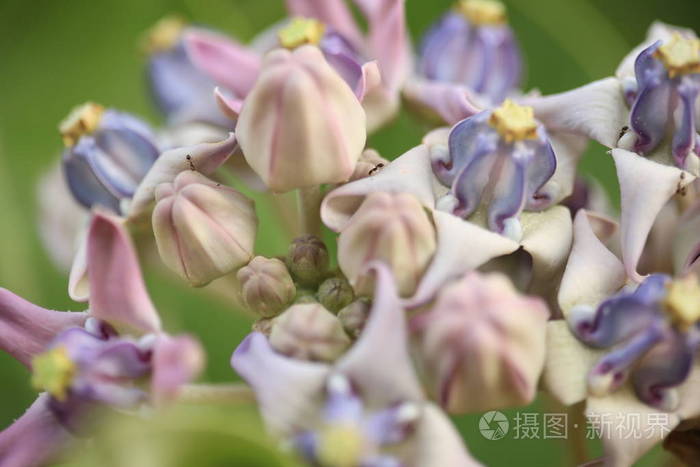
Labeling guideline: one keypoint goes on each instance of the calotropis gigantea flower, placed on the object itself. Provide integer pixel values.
(115, 355)
(203, 229)
(649, 114)
(482, 345)
(301, 124)
(373, 65)
(266, 286)
(182, 92)
(107, 155)
(623, 347)
(469, 58)
(391, 227)
(353, 412)
(510, 171)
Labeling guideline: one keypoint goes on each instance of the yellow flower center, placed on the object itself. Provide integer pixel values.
(682, 301)
(514, 122)
(81, 121)
(340, 446)
(301, 31)
(680, 55)
(164, 34)
(53, 371)
(483, 12)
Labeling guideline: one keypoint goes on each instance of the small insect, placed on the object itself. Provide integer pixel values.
(189, 159)
(623, 130)
(681, 189)
(376, 167)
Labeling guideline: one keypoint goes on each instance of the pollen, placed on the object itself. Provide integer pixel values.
(53, 372)
(81, 121)
(483, 12)
(163, 35)
(301, 31)
(341, 446)
(682, 301)
(514, 122)
(680, 55)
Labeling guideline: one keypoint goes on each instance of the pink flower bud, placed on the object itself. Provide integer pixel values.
(266, 286)
(301, 125)
(482, 344)
(309, 332)
(203, 229)
(393, 228)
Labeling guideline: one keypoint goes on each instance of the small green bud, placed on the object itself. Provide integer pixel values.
(307, 260)
(335, 293)
(266, 286)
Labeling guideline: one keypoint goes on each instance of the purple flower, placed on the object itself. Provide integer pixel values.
(501, 157)
(473, 46)
(668, 82)
(115, 356)
(107, 155)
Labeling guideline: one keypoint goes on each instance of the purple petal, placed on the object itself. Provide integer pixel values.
(27, 329)
(684, 138)
(471, 183)
(287, 390)
(34, 438)
(667, 365)
(647, 69)
(506, 68)
(176, 361)
(468, 138)
(450, 102)
(446, 50)
(539, 170)
(117, 292)
(508, 192)
(86, 187)
(394, 424)
(650, 114)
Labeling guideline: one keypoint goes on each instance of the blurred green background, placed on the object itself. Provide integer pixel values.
(56, 54)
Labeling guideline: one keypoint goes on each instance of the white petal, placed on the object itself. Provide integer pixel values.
(438, 443)
(592, 272)
(645, 187)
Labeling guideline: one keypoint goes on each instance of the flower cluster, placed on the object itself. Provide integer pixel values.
(471, 271)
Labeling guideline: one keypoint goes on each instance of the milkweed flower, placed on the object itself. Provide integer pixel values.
(624, 347)
(353, 412)
(114, 356)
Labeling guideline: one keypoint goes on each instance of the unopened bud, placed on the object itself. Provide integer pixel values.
(309, 332)
(203, 229)
(482, 344)
(335, 293)
(393, 228)
(266, 286)
(307, 260)
(301, 124)
(354, 316)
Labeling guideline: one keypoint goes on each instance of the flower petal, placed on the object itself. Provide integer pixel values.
(438, 443)
(225, 61)
(34, 438)
(461, 246)
(620, 448)
(568, 149)
(204, 158)
(450, 102)
(287, 390)
(567, 364)
(176, 361)
(410, 173)
(645, 187)
(27, 329)
(592, 272)
(117, 292)
(78, 284)
(597, 110)
(383, 344)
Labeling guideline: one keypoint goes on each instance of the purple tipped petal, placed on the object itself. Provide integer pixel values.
(176, 361)
(648, 69)
(666, 366)
(27, 329)
(539, 170)
(468, 138)
(469, 186)
(34, 438)
(117, 292)
(684, 138)
(650, 115)
(506, 67)
(286, 389)
(445, 50)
